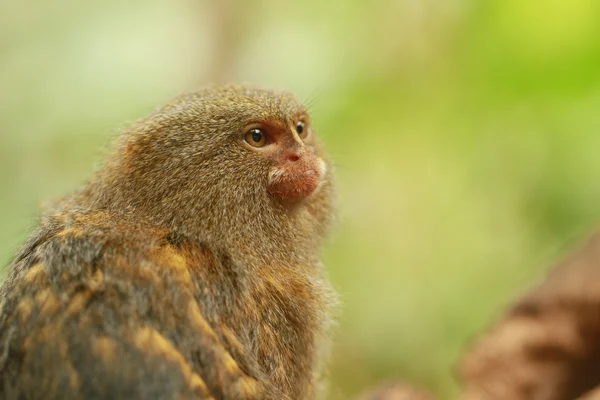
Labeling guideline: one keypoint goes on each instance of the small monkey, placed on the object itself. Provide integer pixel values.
(186, 268)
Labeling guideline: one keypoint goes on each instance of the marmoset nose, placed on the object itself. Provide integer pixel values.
(293, 157)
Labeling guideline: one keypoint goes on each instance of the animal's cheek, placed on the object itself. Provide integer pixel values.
(296, 180)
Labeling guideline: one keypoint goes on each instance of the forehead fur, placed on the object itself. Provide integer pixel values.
(236, 103)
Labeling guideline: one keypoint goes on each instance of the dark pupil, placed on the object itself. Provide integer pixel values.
(300, 128)
(256, 135)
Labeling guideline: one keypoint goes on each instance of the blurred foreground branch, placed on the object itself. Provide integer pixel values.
(545, 347)
(396, 391)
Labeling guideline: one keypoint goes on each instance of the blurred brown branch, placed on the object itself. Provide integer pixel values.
(592, 395)
(547, 346)
(396, 391)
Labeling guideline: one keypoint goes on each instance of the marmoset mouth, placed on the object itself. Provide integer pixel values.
(297, 181)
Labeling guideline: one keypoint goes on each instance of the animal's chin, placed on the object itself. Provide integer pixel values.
(297, 187)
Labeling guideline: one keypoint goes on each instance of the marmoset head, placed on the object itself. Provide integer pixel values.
(230, 155)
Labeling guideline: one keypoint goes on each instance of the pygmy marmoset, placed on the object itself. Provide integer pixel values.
(186, 268)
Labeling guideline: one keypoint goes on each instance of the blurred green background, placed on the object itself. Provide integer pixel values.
(465, 134)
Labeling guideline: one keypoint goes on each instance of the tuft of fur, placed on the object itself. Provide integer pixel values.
(173, 274)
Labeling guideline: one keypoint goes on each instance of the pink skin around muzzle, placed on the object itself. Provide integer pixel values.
(299, 176)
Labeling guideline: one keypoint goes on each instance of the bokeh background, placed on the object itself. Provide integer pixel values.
(465, 134)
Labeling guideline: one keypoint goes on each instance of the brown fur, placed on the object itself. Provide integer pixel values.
(174, 274)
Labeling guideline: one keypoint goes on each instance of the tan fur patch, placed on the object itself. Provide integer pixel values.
(97, 280)
(197, 258)
(246, 385)
(248, 388)
(232, 339)
(173, 259)
(106, 349)
(24, 308)
(78, 301)
(69, 231)
(47, 300)
(34, 273)
(139, 270)
(149, 340)
(196, 316)
(230, 364)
